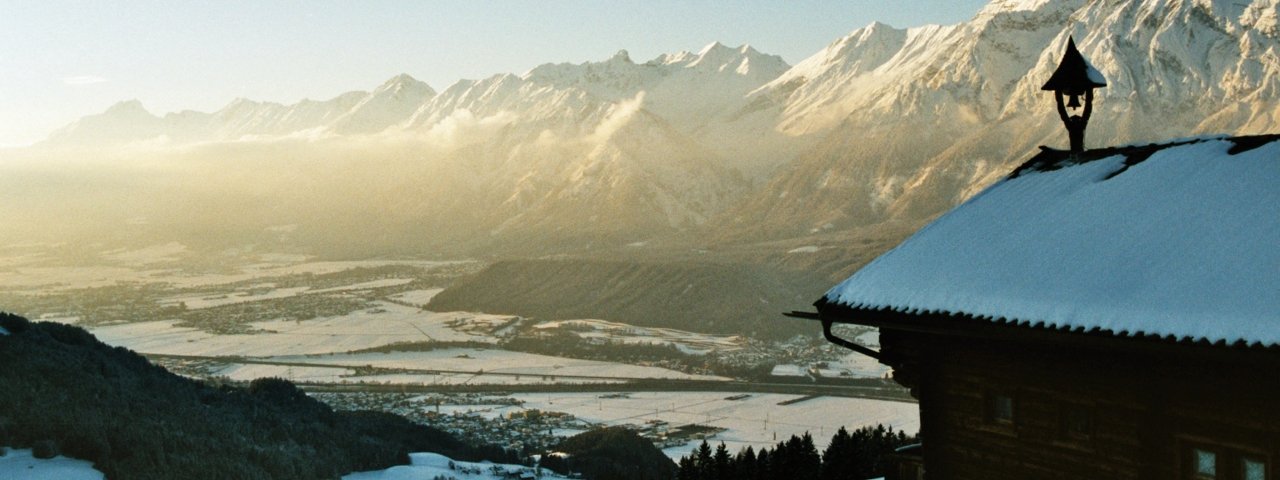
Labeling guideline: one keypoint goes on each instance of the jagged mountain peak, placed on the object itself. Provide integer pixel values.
(916, 125)
(127, 107)
(1001, 6)
(622, 56)
(403, 82)
(1263, 15)
(402, 78)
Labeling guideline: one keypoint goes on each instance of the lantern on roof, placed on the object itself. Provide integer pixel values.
(1074, 78)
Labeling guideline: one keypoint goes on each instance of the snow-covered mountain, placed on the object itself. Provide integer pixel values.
(916, 120)
(884, 124)
(589, 154)
(352, 112)
(389, 104)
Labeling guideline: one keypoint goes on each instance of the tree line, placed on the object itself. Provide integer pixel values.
(856, 456)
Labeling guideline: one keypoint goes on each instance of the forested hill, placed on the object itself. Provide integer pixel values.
(61, 388)
(700, 297)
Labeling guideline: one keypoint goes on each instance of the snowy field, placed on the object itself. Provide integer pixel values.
(757, 420)
(687, 342)
(250, 371)
(354, 331)
(20, 465)
(35, 271)
(195, 302)
(417, 298)
(492, 362)
(430, 465)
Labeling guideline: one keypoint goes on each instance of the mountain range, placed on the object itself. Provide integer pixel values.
(731, 145)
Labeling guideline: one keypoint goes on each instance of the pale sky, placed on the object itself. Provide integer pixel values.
(63, 59)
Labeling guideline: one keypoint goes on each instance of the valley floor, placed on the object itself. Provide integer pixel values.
(359, 330)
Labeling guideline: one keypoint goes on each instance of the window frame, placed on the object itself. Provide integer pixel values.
(991, 400)
(1229, 460)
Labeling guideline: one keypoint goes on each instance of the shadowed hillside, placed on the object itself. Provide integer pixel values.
(61, 390)
(614, 453)
(700, 297)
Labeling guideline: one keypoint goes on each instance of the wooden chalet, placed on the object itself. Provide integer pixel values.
(1109, 314)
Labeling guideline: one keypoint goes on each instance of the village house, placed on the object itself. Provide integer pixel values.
(1107, 313)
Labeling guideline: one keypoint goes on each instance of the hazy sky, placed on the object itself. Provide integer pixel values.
(60, 60)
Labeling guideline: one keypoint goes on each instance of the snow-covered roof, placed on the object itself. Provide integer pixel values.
(1179, 241)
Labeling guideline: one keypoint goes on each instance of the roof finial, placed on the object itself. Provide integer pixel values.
(1073, 78)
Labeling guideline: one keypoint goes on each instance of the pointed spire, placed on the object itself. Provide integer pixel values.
(1073, 78)
(1074, 73)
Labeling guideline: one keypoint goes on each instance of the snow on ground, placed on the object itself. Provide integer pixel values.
(859, 365)
(806, 249)
(1181, 245)
(432, 465)
(354, 331)
(168, 252)
(205, 301)
(67, 277)
(305, 374)
(386, 282)
(474, 379)
(869, 339)
(687, 342)
(787, 370)
(417, 298)
(757, 420)
(3, 331)
(21, 465)
(850, 365)
(44, 279)
(495, 362)
(250, 371)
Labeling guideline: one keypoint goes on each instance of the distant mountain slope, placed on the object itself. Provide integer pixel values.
(700, 297)
(915, 121)
(350, 113)
(730, 144)
(135, 420)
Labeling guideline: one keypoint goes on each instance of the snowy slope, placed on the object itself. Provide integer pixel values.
(1180, 245)
(432, 465)
(917, 120)
(389, 104)
(21, 465)
(882, 125)
(351, 112)
(123, 122)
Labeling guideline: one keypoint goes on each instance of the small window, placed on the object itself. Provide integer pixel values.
(1077, 422)
(1000, 408)
(1204, 464)
(1213, 462)
(1254, 469)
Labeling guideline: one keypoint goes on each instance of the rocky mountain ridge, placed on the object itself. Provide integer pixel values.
(733, 145)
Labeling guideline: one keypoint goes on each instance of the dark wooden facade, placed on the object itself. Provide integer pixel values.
(1006, 401)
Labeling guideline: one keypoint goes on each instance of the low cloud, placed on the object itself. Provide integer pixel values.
(618, 116)
(462, 128)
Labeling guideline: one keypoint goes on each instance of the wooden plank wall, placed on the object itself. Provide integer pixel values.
(1147, 409)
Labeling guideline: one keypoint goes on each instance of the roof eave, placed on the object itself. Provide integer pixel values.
(966, 326)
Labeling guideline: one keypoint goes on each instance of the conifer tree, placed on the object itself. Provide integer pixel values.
(687, 469)
(722, 468)
(745, 463)
(704, 461)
